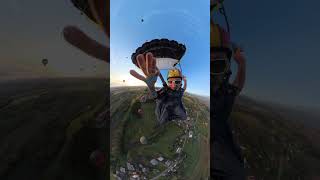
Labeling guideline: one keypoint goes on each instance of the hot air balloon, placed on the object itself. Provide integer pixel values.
(44, 62)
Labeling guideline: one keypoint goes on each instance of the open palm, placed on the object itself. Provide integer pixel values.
(147, 63)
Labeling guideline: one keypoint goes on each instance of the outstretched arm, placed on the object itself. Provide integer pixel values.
(80, 40)
(241, 71)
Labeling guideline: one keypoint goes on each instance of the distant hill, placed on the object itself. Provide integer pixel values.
(204, 99)
(307, 116)
(278, 142)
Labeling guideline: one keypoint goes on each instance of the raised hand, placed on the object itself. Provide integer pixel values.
(148, 66)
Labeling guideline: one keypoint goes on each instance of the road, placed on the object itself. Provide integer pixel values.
(179, 160)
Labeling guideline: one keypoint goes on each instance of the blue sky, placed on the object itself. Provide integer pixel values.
(281, 42)
(187, 23)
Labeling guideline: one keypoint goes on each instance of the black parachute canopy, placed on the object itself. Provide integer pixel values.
(168, 53)
(83, 6)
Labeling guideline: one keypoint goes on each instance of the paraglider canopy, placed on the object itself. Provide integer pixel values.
(83, 6)
(168, 53)
(44, 62)
(95, 10)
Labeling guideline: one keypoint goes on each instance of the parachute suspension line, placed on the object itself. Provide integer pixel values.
(222, 10)
(180, 67)
(162, 79)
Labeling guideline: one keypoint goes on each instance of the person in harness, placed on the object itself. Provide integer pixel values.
(169, 104)
(168, 99)
(226, 159)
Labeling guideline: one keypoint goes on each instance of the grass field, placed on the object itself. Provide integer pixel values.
(160, 140)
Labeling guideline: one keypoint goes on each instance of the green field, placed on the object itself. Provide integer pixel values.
(161, 140)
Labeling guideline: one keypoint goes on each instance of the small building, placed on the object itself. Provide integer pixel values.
(122, 169)
(167, 163)
(135, 176)
(130, 167)
(179, 150)
(144, 170)
(160, 158)
(190, 134)
(154, 162)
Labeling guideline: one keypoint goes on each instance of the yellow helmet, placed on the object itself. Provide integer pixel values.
(174, 73)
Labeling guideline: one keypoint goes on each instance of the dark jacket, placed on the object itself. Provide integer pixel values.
(226, 159)
(169, 105)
